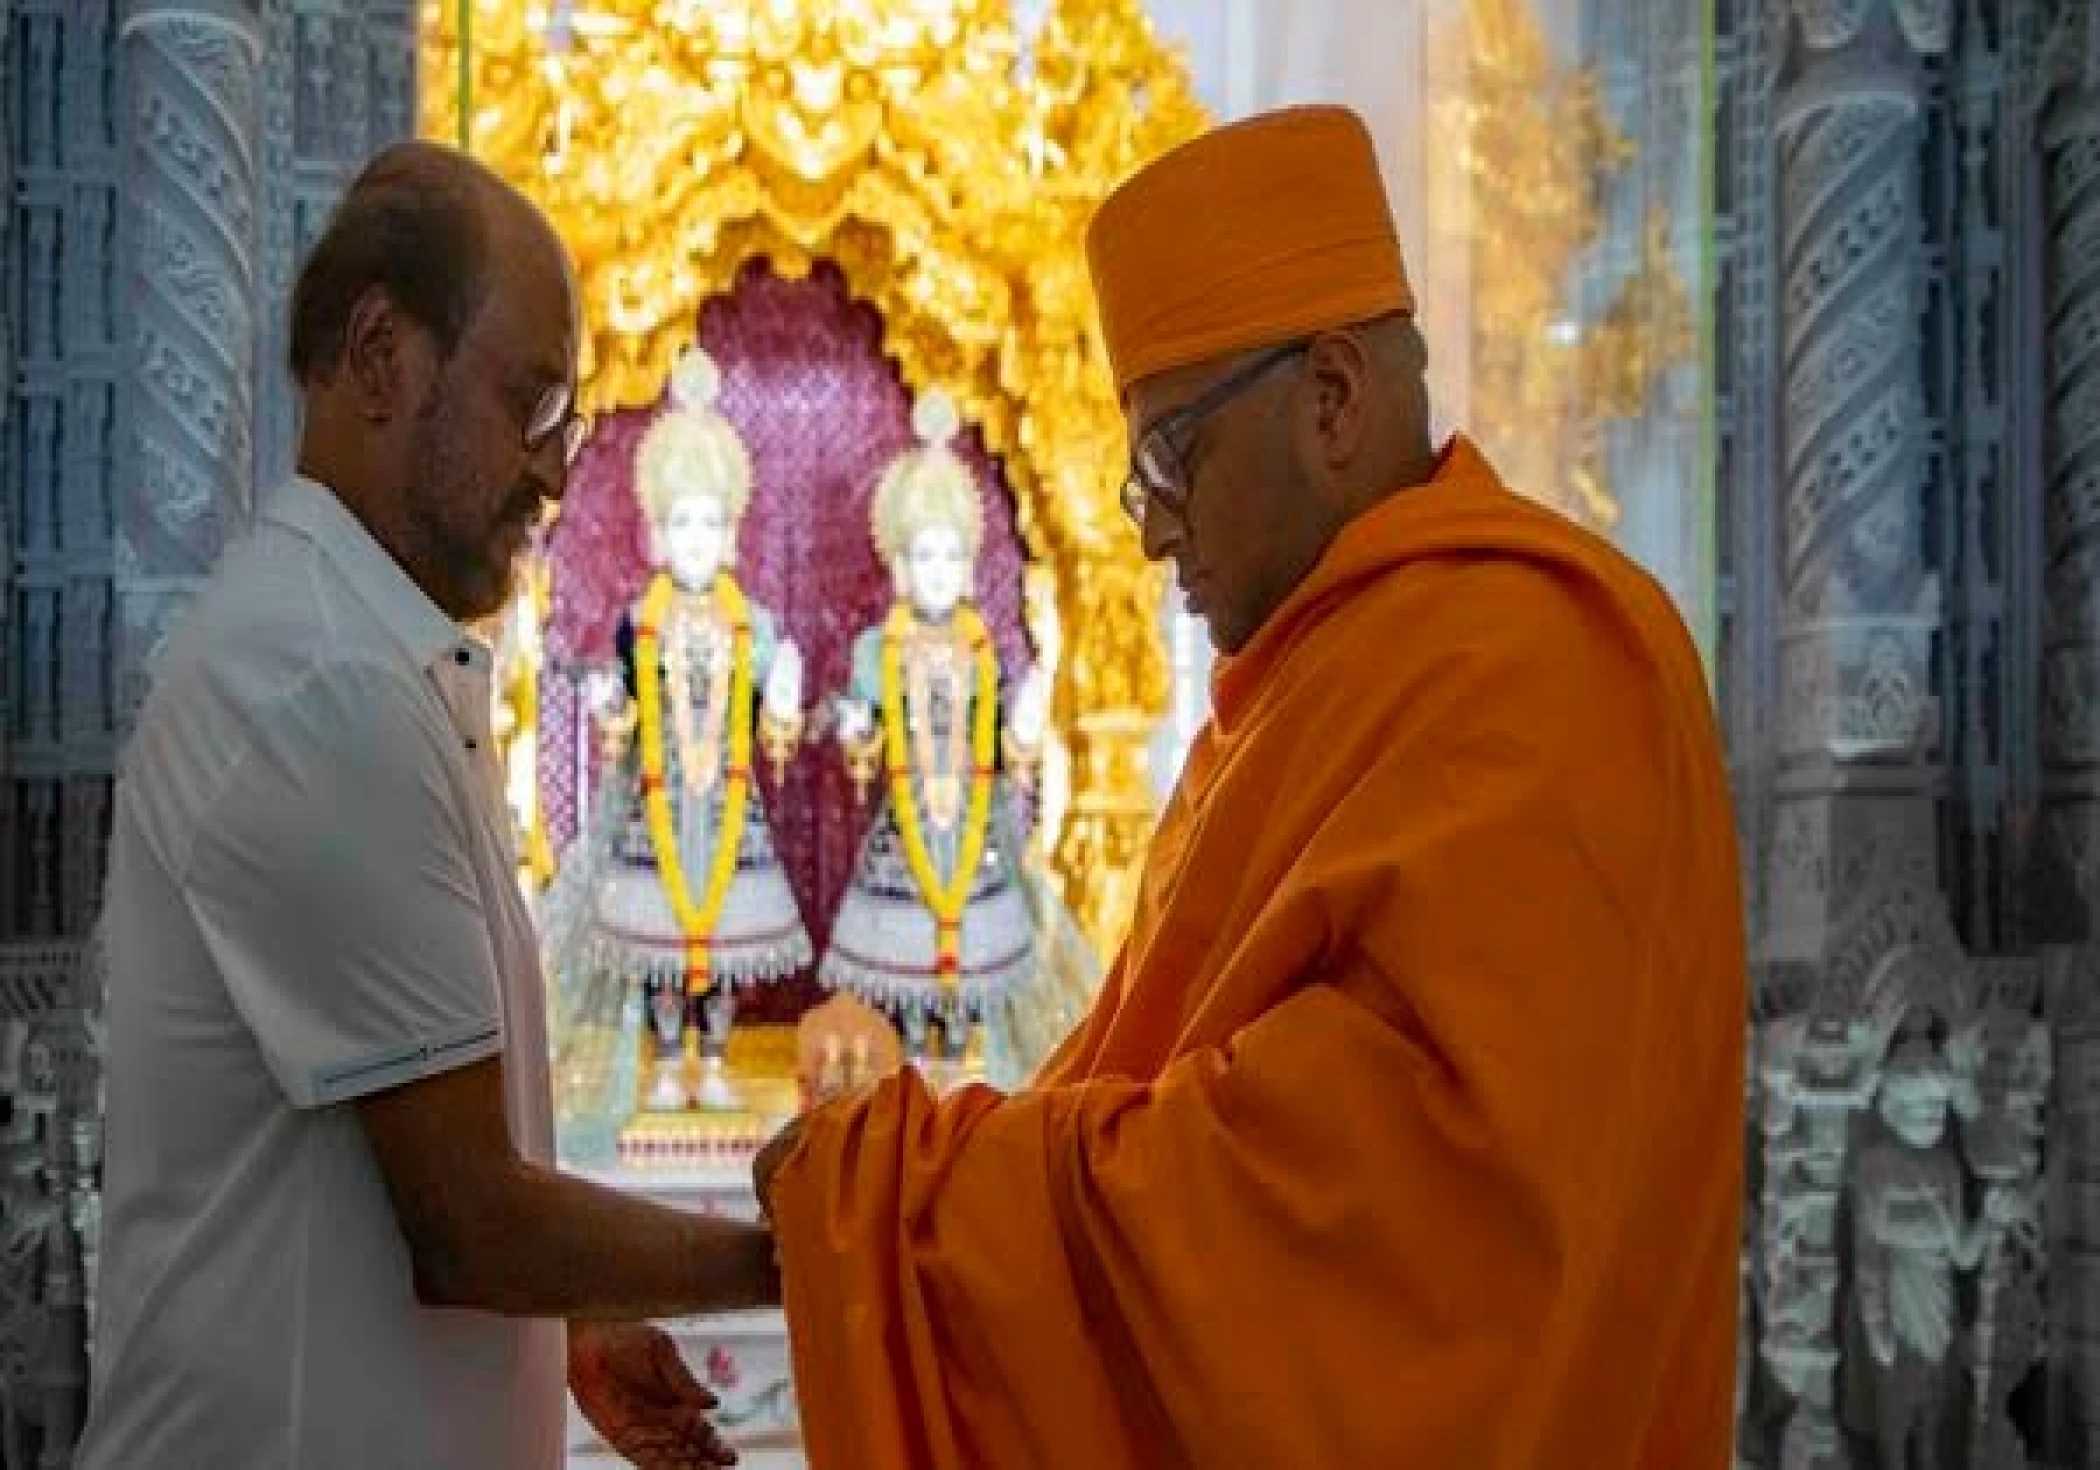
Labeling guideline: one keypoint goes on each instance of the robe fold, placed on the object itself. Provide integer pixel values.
(1407, 1129)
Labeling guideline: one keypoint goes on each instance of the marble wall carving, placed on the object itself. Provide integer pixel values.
(142, 401)
(57, 421)
(1883, 575)
(337, 83)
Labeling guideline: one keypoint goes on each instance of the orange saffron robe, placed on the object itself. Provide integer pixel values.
(1407, 1130)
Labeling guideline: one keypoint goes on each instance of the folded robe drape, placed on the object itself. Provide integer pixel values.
(1407, 1128)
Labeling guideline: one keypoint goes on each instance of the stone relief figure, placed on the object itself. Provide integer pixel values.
(2004, 1149)
(26, 1214)
(1815, 1075)
(1912, 1234)
(1898, 1240)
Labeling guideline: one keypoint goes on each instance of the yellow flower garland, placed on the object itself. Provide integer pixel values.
(695, 921)
(947, 900)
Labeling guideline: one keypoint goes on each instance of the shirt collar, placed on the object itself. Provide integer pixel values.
(430, 637)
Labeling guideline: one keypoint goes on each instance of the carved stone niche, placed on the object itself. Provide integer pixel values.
(1942, 1253)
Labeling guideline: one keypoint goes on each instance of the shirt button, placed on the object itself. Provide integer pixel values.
(473, 745)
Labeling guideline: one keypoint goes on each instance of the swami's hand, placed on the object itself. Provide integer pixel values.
(634, 1388)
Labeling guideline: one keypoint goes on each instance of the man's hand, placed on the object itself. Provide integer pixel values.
(634, 1388)
(768, 1163)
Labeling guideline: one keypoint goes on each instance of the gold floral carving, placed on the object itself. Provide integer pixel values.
(950, 178)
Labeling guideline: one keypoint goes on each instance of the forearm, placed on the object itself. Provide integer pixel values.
(551, 1245)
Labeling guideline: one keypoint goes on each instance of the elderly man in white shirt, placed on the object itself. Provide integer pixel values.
(332, 1233)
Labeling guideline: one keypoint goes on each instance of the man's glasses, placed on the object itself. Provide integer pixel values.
(1158, 467)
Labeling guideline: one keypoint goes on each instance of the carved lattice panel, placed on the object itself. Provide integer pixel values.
(57, 447)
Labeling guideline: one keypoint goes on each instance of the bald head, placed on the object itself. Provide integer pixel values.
(422, 222)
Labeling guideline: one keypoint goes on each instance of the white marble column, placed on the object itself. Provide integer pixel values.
(186, 463)
(1853, 872)
(1858, 607)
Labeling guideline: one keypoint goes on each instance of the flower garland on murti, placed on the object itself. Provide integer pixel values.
(947, 900)
(695, 921)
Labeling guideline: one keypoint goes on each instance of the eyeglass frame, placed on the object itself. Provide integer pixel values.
(554, 414)
(1174, 491)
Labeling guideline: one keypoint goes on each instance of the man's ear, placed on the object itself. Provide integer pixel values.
(389, 362)
(1338, 366)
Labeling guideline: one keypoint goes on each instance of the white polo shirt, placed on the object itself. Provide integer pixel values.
(311, 898)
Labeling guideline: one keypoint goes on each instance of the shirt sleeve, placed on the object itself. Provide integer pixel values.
(333, 883)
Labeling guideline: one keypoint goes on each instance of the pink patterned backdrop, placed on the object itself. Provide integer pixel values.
(823, 412)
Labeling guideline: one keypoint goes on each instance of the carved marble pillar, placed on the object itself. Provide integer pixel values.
(1858, 606)
(2069, 144)
(186, 465)
(1851, 862)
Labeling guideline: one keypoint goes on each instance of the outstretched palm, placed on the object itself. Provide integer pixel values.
(637, 1392)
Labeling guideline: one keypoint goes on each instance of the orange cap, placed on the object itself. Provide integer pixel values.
(1248, 236)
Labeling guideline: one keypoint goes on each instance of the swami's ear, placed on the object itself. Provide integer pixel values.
(1337, 399)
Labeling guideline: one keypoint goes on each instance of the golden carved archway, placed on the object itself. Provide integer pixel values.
(906, 141)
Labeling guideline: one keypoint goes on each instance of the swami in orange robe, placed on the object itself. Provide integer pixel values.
(1406, 1131)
